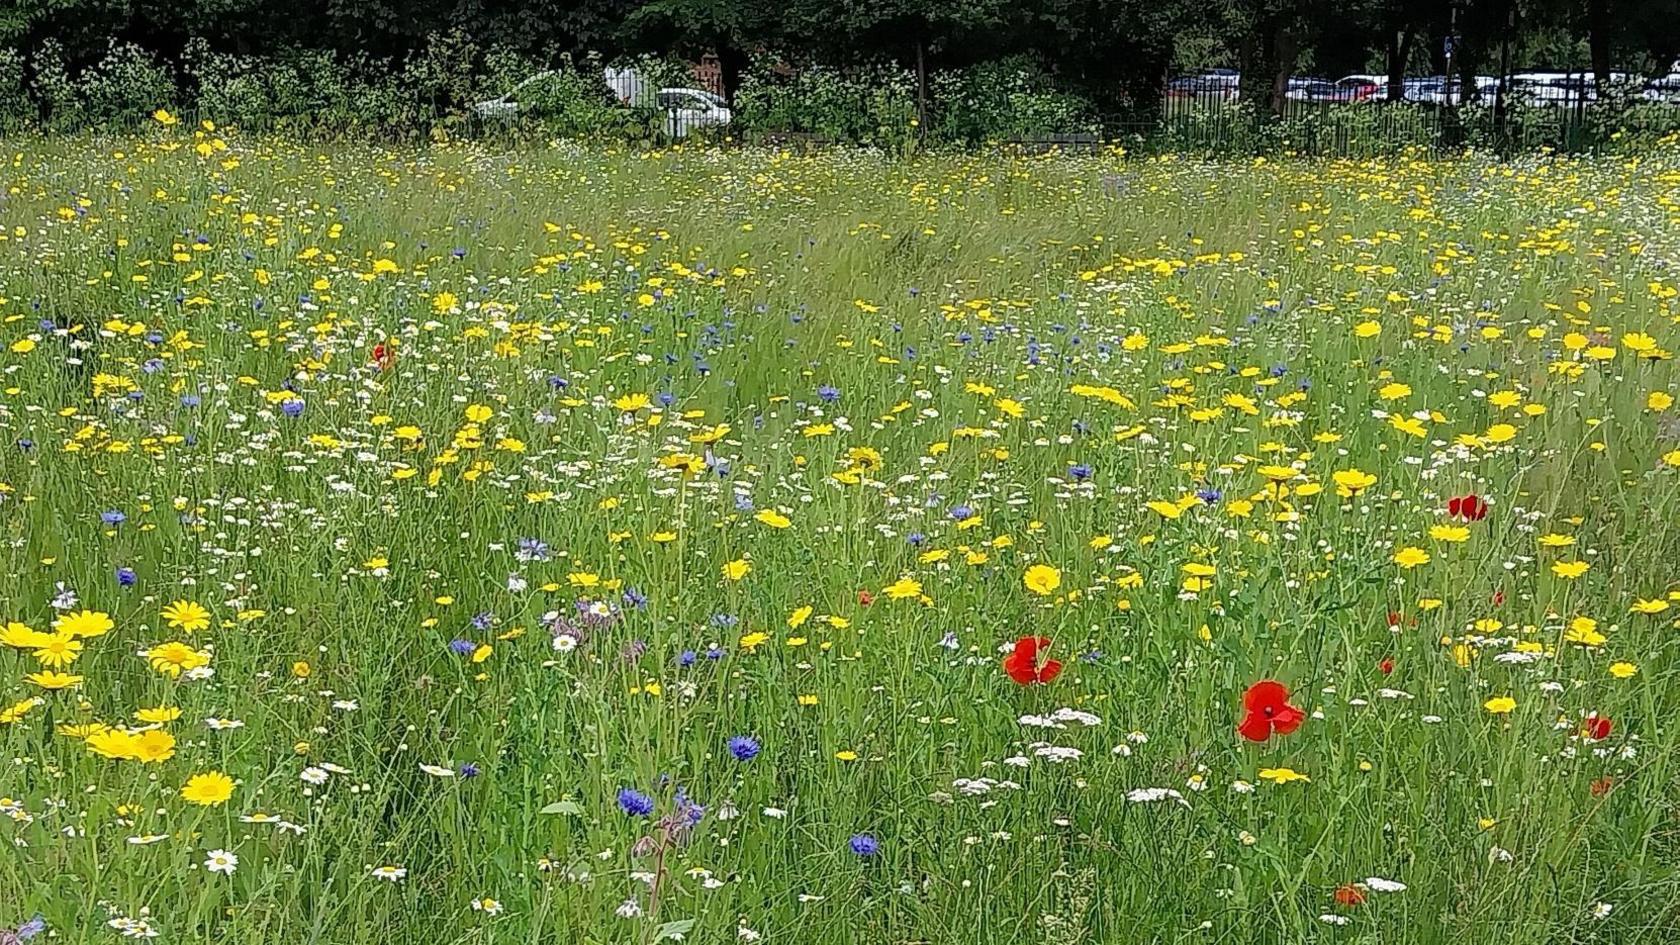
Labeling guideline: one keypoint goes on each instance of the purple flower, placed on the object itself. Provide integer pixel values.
(634, 802)
(1080, 471)
(470, 770)
(864, 845)
(744, 747)
(462, 647)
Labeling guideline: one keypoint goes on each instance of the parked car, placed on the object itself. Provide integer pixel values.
(1448, 90)
(508, 104)
(689, 109)
(1663, 88)
(1313, 90)
(1363, 88)
(1215, 87)
(1558, 88)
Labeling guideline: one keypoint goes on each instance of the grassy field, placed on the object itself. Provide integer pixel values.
(461, 545)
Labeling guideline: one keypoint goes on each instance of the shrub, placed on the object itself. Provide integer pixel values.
(872, 105)
(16, 111)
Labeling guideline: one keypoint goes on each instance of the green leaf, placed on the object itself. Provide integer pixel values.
(562, 807)
(673, 930)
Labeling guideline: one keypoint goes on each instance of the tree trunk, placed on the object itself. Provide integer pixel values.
(1286, 48)
(1598, 42)
(732, 64)
(1399, 50)
(921, 90)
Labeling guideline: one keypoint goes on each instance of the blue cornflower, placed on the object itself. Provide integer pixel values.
(1209, 496)
(744, 747)
(1080, 471)
(126, 577)
(483, 620)
(634, 802)
(828, 394)
(113, 517)
(864, 845)
(292, 408)
(462, 647)
(962, 513)
(687, 658)
(470, 770)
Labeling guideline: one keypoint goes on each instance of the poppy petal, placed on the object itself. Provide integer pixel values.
(1255, 727)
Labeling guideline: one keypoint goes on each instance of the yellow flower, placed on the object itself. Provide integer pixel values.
(1500, 705)
(84, 624)
(23, 637)
(1449, 533)
(1570, 570)
(846, 755)
(756, 638)
(630, 403)
(174, 658)
(772, 518)
(18, 710)
(1655, 606)
(1623, 670)
(1282, 775)
(1500, 433)
(482, 653)
(1042, 579)
(1410, 557)
(187, 616)
(1584, 632)
(209, 789)
(111, 743)
(798, 617)
(1350, 482)
(151, 747)
(60, 649)
(163, 117)
(903, 587)
(1367, 329)
(737, 569)
(48, 679)
(160, 714)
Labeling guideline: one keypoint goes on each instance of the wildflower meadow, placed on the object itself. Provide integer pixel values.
(467, 543)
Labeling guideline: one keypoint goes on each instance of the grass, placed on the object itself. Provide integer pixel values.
(769, 443)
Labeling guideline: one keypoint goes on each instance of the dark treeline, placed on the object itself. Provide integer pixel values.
(1113, 53)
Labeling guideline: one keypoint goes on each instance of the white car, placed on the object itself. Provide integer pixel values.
(689, 109)
(508, 105)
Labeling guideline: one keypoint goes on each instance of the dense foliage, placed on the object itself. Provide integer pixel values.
(870, 71)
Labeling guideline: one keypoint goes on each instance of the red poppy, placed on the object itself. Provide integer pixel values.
(1349, 894)
(1387, 666)
(1267, 710)
(384, 356)
(1470, 508)
(1601, 786)
(865, 598)
(1597, 727)
(1024, 666)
